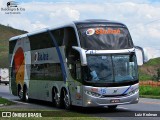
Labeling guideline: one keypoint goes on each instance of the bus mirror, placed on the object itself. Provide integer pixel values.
(82, 55)
(144, 54)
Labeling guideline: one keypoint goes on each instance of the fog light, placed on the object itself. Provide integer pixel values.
(89, 102)
(137, 99)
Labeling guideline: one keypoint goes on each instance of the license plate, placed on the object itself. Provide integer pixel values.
(115, 101)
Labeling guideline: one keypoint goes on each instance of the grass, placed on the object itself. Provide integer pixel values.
(57, 115)
(153, 62)
(150, 96)
(149, 91)
(149, 69)
(5, 101)
(55, 118)
(145, 77)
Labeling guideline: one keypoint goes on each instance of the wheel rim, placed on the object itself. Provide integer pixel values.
(66, 99)
(56, 97)
(26, 95)
(20, 94)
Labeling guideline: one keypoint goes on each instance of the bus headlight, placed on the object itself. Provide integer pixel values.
(133, 91)
(93, 94)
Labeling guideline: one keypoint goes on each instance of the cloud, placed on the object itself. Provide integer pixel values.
(38, 25)
(152, 53)
(65, 12)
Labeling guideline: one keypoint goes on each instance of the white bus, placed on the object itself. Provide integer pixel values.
(84, 63)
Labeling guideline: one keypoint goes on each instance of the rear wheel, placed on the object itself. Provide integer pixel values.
(112, 107)
(20, 93)
(67, 102)
(25, 94)
(56, 98)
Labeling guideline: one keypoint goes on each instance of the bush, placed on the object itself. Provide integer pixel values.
(156, 77)
(149, 90)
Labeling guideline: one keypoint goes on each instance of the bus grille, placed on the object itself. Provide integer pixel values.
(121, 95)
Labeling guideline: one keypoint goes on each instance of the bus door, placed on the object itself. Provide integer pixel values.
(73, 63)
(76, 85)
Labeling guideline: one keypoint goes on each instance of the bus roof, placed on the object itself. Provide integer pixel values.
(97, 21)
(69, 24)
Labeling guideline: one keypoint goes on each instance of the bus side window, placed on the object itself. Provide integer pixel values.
(78, 71)
(75, 69)
(70, 40)
(59, 36)
(73, 57)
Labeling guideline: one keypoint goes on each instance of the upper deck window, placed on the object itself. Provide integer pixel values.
(103, 37)
(43, 40)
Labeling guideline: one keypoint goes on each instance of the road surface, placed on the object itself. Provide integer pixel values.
(144, 105)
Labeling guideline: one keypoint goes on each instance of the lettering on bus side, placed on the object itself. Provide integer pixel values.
(40, 56)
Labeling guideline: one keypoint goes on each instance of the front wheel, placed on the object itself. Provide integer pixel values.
(67, 102)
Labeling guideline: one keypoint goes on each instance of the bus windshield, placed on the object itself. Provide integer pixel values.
(110, 68)
(105, 38)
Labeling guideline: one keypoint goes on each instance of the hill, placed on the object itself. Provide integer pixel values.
(6, 32)
(149, 69)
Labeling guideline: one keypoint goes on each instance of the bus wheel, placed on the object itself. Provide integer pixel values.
(112, 107)
(67, 103)
(20, 93)
(25, 94)
(56, 98)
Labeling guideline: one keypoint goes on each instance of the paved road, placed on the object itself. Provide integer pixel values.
(143, 105)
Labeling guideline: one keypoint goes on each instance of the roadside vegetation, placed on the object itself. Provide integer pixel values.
(5, 102)
(52, 115)
(149, 76)
(150, 70)
(150, 92)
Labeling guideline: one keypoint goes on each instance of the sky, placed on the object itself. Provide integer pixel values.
(142, 17)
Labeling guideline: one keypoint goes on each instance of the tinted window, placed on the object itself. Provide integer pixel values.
(46, 72)
(40, 41)
(43, 40)
(70, 40)
(11, 46)
(105, 38)
(59, 36)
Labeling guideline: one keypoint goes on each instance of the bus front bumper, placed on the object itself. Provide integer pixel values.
(90, 101)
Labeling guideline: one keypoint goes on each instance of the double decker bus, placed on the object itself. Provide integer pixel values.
(86, 63)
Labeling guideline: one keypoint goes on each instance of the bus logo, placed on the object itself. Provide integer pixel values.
(90, 31)
(36, 57)
(12, 4)
(115, 91)
(102, 31)
(40, 56)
